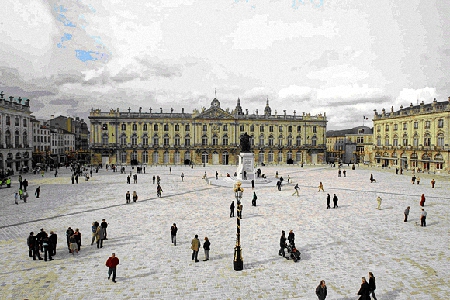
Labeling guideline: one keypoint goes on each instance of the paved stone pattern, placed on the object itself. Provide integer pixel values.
(337, 245)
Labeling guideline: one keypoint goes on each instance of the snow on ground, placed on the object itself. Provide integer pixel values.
(337, 245)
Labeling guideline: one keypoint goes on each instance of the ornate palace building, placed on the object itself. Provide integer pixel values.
(209, 136)
(15, 134)
(349, 146)
(413, 137)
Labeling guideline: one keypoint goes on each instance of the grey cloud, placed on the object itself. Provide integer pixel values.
(351, 102)
(159, 68)
(71, 102)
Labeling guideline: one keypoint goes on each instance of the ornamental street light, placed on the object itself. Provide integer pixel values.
(238, 261)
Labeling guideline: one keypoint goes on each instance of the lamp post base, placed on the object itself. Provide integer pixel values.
(238, 262)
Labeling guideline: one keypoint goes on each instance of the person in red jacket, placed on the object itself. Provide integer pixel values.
(112, 263)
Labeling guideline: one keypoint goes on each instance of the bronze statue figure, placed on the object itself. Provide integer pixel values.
(245, 143)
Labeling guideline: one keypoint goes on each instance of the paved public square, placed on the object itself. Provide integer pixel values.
(337, 245)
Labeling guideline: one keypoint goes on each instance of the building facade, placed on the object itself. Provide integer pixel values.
(349, 146)
(209, 136)
(15, 134)
(414, 137)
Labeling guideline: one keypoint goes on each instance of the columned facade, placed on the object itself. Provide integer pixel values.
(15, 134)
(210, 136)
(415, 137)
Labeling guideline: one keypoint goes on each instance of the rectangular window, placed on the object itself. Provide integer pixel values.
(261, 128)
(441, 123)
(387, 127)
(416, 125)
(299, 128)
(405, 126)
(225, 127)
(395, 126)
(241, 127)
(270, 128)
(280, 128)
(314, 129)
(427, 124)
(205, 127)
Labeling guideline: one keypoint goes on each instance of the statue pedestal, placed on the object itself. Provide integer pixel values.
(246, 164)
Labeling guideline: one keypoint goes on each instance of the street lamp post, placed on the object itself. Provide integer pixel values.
(238, 261)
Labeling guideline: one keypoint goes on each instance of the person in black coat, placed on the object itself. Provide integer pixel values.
(364, 290)
(291, 237)
(372, 286)
(282, 243)
(53, 241)
(328, 201)
(321, 290)
(206, 245)
(232, 209)
(335, 200)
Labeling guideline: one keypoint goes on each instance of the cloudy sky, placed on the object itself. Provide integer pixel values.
(345, 58)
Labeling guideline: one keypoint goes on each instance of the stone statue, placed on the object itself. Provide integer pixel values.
(245, 143)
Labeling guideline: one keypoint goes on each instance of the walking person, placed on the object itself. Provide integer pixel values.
(432, 183)
(47, 249)
(158, 190)
(94, 230)
(73, 244)
(206, 245)
(282, 244)
(422, 200)
(372, 285)
(173, 234)
(182, 176)
(379, 202)
(195, 245)
(127, 197)
(406, 214)
(254, 199)
(335, 201)
(135, 196)
(232, 209)
(37, 192)
(296, 190)
(16, 198)
(328, 201)
(364, 290)
(104, 226)
(418, 180)
(321, 187)
(291, 237)
(112, 263)
(321, 290)
(69, 233)
(423, 218)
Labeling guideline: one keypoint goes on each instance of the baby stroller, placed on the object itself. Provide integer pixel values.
(294, 254)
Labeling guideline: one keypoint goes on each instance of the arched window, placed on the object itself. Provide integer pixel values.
(314, 140)
(395, 141)
(204, 140)
(123, 139)
(155, 127)
(290, 140)
(177, 127)
(145, 157)
(378, 140)
(134, 139)
(145, 127)
(187, 140)
(205, 157)
(123, 157)
(261, 157)
(166, 127)
(215, 140)
(280, 157)
(386, 140)
(427, 139)
(155, 157)
(134, 156)
(405, 140)
(124, 126)
(177, 140)
(225, 140)
(270, 141)
(177, 157)
(16, 138)
(134, 127)
(440, 140)
(261, 140)
(25, 139)
(155, 140)
(166, 157)
(298, 141)
(166, 139)
(280, 140)
(145, 140)
(270, 157)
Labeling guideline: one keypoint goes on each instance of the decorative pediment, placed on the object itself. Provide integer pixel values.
(214, 113)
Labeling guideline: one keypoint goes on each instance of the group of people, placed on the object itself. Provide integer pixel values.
(366, 290)
(73, 238)
(128, 197)
(42, 242)
(195, 246)
(99, 233)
